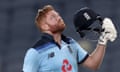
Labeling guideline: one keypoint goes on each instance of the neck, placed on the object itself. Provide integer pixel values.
(56, 36)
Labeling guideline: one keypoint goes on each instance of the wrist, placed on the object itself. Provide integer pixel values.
(101, 46)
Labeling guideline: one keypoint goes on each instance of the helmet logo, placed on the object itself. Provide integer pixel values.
(87, 16)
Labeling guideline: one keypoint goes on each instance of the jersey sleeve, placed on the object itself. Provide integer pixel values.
(31, 61)
(81, 53)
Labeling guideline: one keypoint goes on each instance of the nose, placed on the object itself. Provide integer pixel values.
(59, 17)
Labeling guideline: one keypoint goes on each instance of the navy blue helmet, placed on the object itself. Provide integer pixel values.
(85, 17)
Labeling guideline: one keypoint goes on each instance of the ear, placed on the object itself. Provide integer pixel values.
(44, 27)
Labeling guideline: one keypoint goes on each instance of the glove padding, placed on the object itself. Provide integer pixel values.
(109, 33)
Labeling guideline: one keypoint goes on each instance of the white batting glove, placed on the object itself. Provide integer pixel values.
(109, 33)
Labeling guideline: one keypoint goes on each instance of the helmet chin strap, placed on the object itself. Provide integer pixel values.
(97, 30)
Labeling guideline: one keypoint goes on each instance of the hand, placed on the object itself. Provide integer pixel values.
(109, 33)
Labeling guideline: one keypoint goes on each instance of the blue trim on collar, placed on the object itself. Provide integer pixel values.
(44, 46)
(46, 38)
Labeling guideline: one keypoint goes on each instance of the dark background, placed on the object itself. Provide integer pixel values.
(18, 31)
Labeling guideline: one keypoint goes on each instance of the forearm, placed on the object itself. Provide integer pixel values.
(97, 56)
(95, 59)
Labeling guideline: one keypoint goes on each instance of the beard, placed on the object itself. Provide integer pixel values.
(59, 27)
